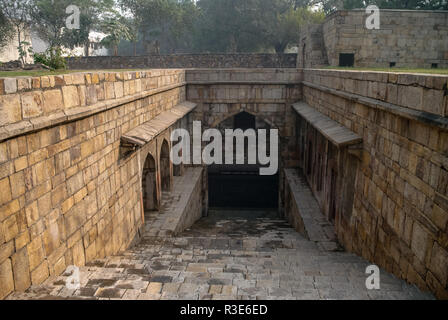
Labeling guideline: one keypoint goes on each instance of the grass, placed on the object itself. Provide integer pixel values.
(401, 70)
(39, 73)
(34, 73)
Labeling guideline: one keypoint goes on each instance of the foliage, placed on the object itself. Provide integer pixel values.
(52, 58)
(252, 25)
(24, 49)
(49, 20)
(117, 29)
(6, 31)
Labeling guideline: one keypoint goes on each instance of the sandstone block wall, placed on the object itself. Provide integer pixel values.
(237, 60)
(312, 51)
(400, 212)
(67, 196)
(265, 93)
(414, 39)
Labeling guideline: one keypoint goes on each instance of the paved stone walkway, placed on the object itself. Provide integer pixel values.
(229, 255)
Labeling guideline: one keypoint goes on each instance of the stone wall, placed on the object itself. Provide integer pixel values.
(312, 52)
(267, 94)
(407, 38)
(70, 196)
(67, 195)
(400, 212)
(228, 60)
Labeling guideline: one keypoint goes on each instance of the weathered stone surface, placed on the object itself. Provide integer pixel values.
(21, 269)
(39, 274)
(10, 109)
(71, 97)
(52, 101)
(274, 262)
(6, 276)
(32, 104)
(10, 85)
(187, 61)
(403, 44)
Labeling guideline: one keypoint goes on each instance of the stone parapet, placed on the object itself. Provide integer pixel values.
(213, 60)
(421, 92)
(31, 103)
(399, 217)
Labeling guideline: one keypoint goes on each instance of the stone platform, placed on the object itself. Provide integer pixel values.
(228, 255)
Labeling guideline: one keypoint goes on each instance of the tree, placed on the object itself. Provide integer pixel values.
(228, 26)
(49, 20)
(117, 29)
(92, 12)
(16, 13)
(281, 21)
(6, 31)
(132, 8)
(253, 25)
(169, 23)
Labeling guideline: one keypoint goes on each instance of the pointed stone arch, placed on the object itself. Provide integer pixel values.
(227, 116)
(165, 166)
(149, 184)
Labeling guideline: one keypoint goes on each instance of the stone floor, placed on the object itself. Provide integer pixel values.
(229, 255)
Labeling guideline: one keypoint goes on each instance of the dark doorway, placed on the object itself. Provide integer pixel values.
(244, 121)
(165, 166)
(240, 186)
(346, 59)
(149, 184)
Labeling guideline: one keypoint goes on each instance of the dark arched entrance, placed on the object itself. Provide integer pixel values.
(165, 166)
(149, 184)
(240, 186)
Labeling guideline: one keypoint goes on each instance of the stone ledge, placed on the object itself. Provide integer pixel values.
(311, 222)
(333, 131)
(146, 132)
(411, 114)
(242, 82)
(29, 126)
(176, 214)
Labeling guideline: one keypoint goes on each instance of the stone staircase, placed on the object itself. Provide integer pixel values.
(226, 256)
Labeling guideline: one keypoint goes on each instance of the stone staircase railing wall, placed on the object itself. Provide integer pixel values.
(400, 212)
(66, 195)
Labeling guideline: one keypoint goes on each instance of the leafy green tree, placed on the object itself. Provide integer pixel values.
(167, 22)
(117, 29)
(253, 25)
(92, 12)
(228, 26)
(49, 20)
(281, 21)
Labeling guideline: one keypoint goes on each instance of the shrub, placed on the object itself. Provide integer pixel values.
(52, 58)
